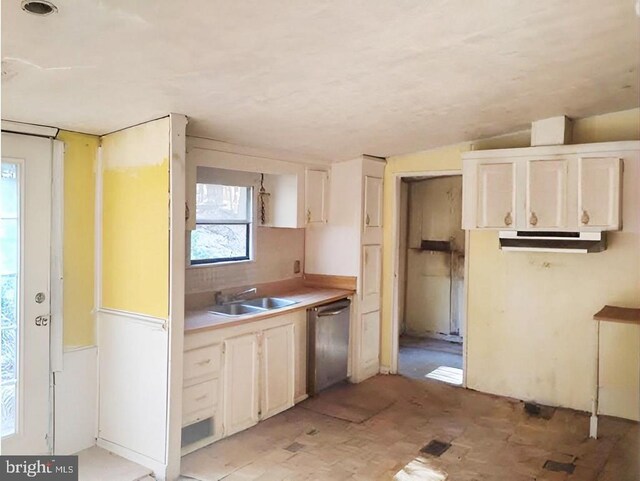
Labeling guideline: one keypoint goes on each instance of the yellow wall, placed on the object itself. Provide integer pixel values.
(79, 210)
(135, 224)
(530, 333)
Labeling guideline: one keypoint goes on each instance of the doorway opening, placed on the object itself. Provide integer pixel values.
(430, 287)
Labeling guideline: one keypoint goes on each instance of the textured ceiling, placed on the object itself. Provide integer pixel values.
(327, 79)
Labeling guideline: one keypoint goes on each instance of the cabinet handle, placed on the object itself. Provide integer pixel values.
(533, 220)
(308, 216)
(585, 217)
(203, 363)
(201, 398)
(507, 219)
(368, 220)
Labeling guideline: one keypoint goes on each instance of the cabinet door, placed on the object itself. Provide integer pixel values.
(241, 375)
(546, 194)
(496, 196)
(277, 370)
(599, 193)
(372, 202)
(370, 339)
(316, 188)
(371, 277)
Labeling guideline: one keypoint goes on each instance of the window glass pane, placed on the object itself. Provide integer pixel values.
(219, 241)
(9, 263)
(219, 203)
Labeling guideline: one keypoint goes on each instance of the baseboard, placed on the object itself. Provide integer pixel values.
(159, 469)
(301, 398)
(385, 370)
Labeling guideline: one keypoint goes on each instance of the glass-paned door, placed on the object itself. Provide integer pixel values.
(25, 255)
(9, 306)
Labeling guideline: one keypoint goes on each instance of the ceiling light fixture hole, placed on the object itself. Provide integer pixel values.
(39, 7)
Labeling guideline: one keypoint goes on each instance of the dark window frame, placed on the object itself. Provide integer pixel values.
(248, 235)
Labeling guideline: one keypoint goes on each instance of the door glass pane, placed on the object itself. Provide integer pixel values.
(9, 296)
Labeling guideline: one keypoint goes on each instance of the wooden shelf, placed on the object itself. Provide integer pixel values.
(625, 315)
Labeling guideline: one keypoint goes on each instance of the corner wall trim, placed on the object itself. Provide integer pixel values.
(140, 318)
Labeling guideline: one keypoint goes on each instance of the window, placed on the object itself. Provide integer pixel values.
(223, 224)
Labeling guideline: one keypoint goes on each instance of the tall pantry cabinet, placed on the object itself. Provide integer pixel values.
(349, 243)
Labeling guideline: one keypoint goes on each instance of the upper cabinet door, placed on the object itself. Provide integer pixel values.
(599, 193)
(546, 194)
(372, 202)
(496, 196)
(316, 193)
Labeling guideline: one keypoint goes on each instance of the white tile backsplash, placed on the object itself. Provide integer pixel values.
(276, 252)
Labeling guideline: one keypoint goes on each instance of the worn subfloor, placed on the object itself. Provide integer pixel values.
(97, 464)
(492, 438)
(421, 356)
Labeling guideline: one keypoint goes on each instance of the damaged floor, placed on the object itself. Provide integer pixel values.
(479, 436)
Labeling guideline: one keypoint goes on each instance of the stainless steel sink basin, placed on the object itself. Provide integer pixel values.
(269, 303)
(234, 309)
(252, 306)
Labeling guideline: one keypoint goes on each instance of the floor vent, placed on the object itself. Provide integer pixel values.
(559, 467)
(435, 448)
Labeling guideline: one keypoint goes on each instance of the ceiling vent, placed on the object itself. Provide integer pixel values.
(39, 7)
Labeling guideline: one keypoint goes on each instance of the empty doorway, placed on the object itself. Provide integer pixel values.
(432, 252)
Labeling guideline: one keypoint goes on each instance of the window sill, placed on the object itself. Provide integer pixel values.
(219, 264)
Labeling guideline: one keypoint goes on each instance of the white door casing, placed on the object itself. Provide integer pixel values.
(30, 160)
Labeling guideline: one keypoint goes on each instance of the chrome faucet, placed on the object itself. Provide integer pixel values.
(239, 295)
(220, 298)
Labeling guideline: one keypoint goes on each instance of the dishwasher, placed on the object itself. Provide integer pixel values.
(328, 329)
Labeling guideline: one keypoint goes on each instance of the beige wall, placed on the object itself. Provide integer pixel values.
(434, 282)
(530, 332)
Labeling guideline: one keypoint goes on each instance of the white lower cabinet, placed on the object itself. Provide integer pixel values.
(241, 383)
(235, 377)
(277, 360)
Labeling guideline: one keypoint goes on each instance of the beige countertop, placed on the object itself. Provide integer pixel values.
(305, 297)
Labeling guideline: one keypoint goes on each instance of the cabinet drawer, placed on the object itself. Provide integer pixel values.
(204, 361)
(199, 401)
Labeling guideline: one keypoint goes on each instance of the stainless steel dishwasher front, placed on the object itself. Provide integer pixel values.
(328, 345)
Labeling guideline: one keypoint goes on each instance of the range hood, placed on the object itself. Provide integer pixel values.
(541, 241)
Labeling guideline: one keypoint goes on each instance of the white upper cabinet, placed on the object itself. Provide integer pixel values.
(316, 193)
(546, 194)
(599, 193)
(372, 202)
(496, 196)
(558, 188)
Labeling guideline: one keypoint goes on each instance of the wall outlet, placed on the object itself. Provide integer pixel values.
(296, 267)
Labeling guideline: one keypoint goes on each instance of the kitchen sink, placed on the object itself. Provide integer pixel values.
(269, 303)
(252, 306)
(234, 309)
